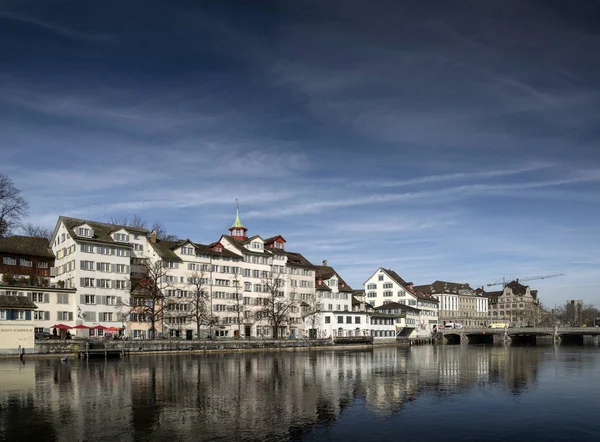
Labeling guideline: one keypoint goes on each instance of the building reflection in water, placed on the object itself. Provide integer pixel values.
(239, 396)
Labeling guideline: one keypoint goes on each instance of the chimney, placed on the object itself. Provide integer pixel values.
(324, 262)
(153, 237)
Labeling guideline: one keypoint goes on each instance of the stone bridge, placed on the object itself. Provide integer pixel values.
(524, 335)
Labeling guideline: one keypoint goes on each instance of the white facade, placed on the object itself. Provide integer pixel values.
(385, 286)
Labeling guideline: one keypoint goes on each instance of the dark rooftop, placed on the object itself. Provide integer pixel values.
(26, 245)
(16, 302)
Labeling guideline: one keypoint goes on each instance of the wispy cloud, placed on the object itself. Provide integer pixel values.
(56, 28)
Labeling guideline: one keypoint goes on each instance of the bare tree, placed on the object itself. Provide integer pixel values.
(200, 303)
(239, 304)
(30, 229)
(147, 294)
(311, 312)
(277, 307)
(137, 222)
(13, 206)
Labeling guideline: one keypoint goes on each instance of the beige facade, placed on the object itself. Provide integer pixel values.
(459, 303)
(517, 305)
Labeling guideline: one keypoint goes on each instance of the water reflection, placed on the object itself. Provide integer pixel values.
(253, 396)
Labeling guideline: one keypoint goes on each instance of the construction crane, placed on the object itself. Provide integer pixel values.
(533, 278)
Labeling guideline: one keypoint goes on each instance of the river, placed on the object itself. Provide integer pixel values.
(445, 393)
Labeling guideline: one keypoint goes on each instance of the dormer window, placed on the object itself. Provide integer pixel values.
(84, 231)
(256, 245)
(187, 250)
(121, 237)
(278, 245)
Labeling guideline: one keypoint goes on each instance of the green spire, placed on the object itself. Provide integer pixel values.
(238, 222)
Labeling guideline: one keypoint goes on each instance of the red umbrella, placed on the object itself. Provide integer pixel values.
(99, 327)
(61, 326)
(81, 326)
(113, 329)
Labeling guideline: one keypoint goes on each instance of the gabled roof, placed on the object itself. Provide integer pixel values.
(328, 272)
(442, 287)
(422, 296)
(206, 249)
(102, 231)
(164, 249)
(26, 245)
(396, 306)
(273, 239)
(492, 294)
(16, 302)
(297, 260)
(359, 292)
(240, 246)
(345, 288)
(323, 287)
(517, 288)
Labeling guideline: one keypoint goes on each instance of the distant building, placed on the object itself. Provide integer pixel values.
(517, 304)
(386, 286)
(404, 317)
(459, 303)
(25, 260)
(16, 324)
(573, 311)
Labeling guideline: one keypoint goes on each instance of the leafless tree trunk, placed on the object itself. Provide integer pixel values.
(13, 206)
(239, 305)
(200, 302)
(312, 314)
(147, 294)
(277, 307)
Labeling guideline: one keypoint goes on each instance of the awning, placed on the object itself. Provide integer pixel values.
(99, 327)
(81, 326)
(62, 326)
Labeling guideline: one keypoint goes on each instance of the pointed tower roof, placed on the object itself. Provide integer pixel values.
(238, 222)
(237, 230)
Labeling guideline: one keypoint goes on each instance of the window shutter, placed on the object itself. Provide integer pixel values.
(81, 282)
(46, 298)
(46, 316)
(113, 284)
(127, 269)
(118, 301)
(128, 284)
(28, 315)
(82, 299)
(29, 296)
(113, 268)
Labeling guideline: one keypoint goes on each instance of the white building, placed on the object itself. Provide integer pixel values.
(334, 315)
(95, 259)
(386, 286)
(459, 303)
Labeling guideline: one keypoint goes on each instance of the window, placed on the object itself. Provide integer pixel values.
(25, 262)
(348, 319)
(89, 299)
(193, 266)
(388, 293)
(62, 298)
(121, 268)
(102, 266)
(121, 252)
(86, 265)
(340, 319)
(111, 300)
(371, 286)
(106, 317)
(3, 315)
(42, 265)
(256, 245)
(19, 314)
(86, 282)
(64, 316)
(122, 237)
(248, 286)
(37, 297)
(120, 285)
(9, 261)
(82, 231)
(138, 247)
(41, 316)
(371, 294)
(103, 283)
(327, 320)
(187, 250)
(357, 320)
(87, 248)
(387, 285)
(381, 277)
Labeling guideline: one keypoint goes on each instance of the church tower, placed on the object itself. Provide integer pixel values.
(237, 230)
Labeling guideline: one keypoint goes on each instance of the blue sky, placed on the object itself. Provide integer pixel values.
(445, 140)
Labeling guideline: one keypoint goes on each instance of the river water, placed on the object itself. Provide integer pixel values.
(449, 393)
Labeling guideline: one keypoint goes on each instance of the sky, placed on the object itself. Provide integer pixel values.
(456, 141)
